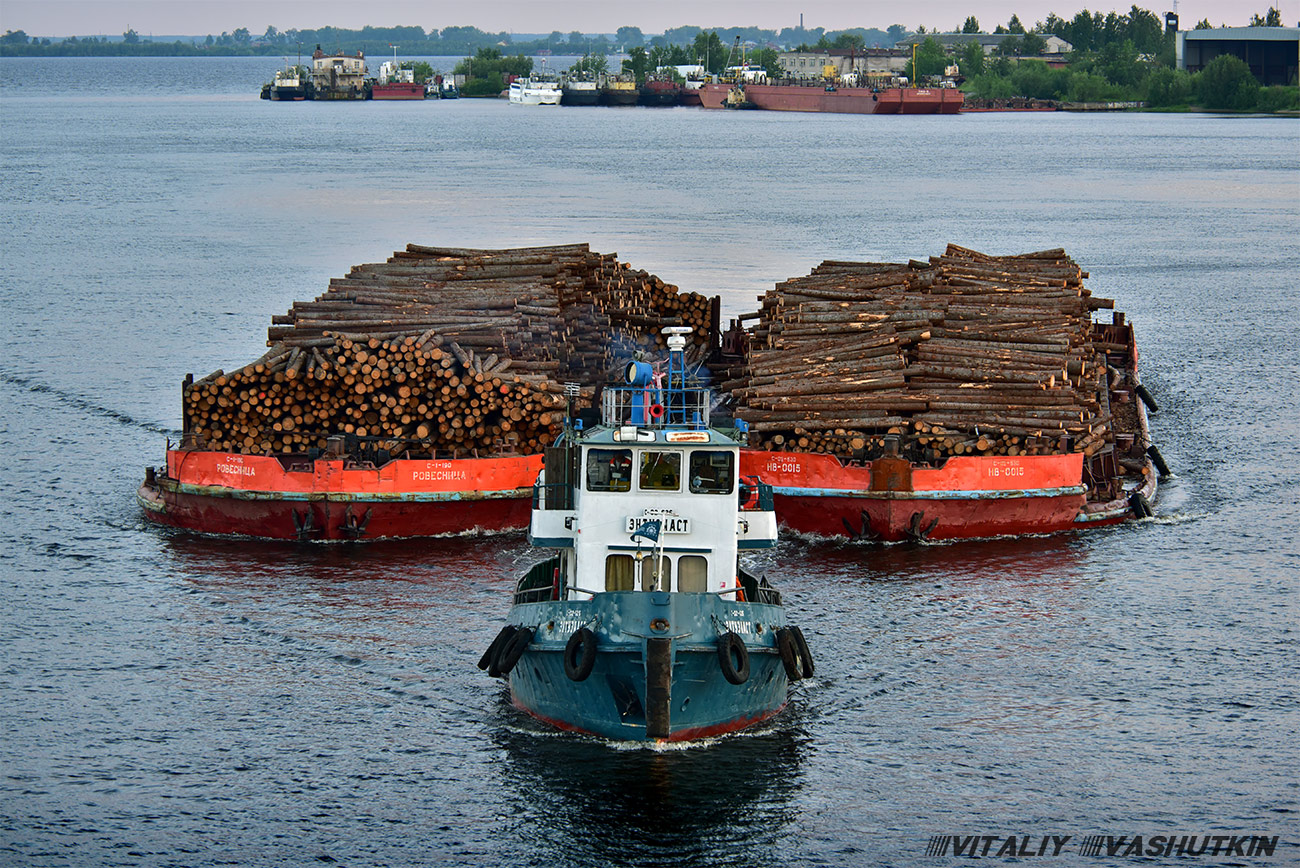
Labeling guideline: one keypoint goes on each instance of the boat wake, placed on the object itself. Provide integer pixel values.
(86, 405)
(1176, 518)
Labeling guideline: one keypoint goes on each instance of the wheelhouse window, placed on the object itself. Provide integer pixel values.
(609, 469)
(661, 471)
(620, 573)
(692, 574)
(712, 472)
(656, 572)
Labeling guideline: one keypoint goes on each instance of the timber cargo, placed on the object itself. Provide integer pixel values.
(414, 397)
(961, 397)
(967, 396)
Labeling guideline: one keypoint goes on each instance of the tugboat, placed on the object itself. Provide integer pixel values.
(580, 88)
(290, 85)
(644, 626)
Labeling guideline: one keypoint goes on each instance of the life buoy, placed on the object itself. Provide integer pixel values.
(580, 654)
(805, 656)
(513, 650)
(788, 648)
(733, 658)
(490, 655)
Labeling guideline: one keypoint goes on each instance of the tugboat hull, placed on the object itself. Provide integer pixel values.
(658, 673)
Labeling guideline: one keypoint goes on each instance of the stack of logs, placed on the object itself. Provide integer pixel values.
(442, 352)
(963, 354)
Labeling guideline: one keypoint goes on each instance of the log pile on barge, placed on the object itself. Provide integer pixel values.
(441, 351)
(963, 396)
(963, 354)
(960, 397)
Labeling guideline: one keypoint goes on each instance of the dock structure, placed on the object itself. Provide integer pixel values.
(1272, 53)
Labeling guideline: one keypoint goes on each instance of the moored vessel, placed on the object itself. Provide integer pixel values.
(537, 89)
(441, 87)
(730, 85)
(644, 626)
(713, 94)
(580, 89)
(338, 76)
(289, 85)
(661, 90)
(620, 90)
(886, 98)
(395, 82)
(694, 78)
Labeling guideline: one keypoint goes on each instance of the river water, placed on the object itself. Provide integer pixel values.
(175, 700)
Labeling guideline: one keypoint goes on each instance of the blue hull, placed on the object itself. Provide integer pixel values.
(658, 673)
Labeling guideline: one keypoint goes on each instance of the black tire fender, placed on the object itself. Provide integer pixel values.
(1158, 460)
(1147, 399)
(733, 658)
(513, 650)
(805, 655)
(580, 654)
(1140, 506)
(490, 655)
(788, 648)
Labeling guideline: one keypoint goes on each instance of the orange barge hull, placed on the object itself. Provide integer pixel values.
(292, 497)
(856, 100)
(397, 90)
(714, 94)
(890, 499)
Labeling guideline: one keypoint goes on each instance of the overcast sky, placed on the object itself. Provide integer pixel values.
(201, 17)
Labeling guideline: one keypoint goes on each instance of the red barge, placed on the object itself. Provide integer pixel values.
(855, 100)
(893, 499)
(397, 90)
(345, 491)
(337, 498)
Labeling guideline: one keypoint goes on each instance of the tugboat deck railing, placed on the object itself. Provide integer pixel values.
(655, 408)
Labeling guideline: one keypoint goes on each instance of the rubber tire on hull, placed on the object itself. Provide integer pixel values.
(513, 650)
(733, 658)
(1158, 460)
(1140, 506)
(580, 654)
(490, 655)
(789, 650)
(805, 655)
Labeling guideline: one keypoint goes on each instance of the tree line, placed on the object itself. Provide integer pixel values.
(417, 41)
(1114, 57)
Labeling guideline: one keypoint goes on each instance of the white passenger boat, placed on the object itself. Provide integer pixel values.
(536, 90)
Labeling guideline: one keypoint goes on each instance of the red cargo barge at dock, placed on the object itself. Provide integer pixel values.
(855, 100)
